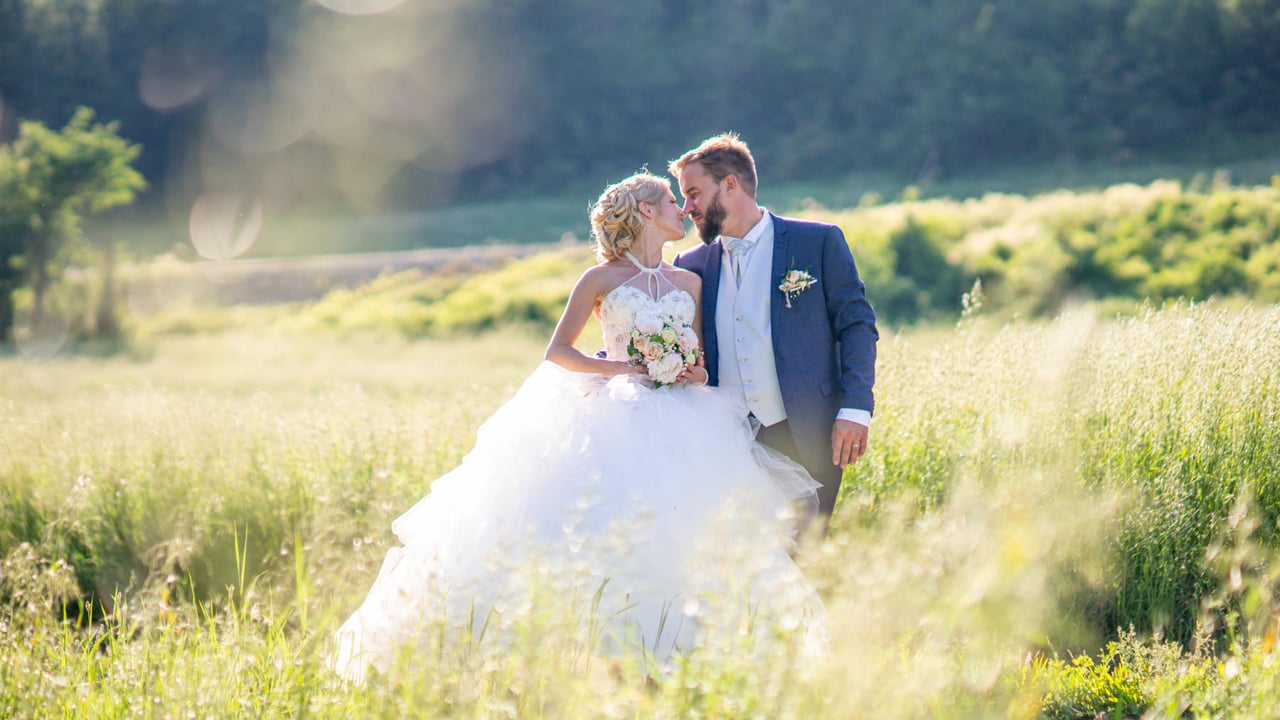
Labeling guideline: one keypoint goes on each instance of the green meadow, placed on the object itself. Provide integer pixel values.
(183, 533)
(1069, 508)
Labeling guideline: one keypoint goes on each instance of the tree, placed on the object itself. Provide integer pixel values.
(10, 252)
(48, 180)
(12, 29)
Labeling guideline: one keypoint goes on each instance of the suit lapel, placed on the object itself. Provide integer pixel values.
(711, 286)
(710, 295)
(781, 259)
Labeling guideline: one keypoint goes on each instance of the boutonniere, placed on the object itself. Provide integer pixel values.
(795, 282)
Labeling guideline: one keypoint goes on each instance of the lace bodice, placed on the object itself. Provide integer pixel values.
(620, 306)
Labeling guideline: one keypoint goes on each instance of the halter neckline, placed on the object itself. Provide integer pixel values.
(653, 276)
(641, 266)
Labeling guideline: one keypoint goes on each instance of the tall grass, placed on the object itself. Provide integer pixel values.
(182, 534)
(1174, 416)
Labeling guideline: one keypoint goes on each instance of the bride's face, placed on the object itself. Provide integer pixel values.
(668, 218)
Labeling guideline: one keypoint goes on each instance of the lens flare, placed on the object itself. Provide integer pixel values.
(367, 102)
(41, 338)
(249, 119)
(224, 225)
(360, 7)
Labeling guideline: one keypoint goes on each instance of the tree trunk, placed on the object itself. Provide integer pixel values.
(6, 312)
(108, 325)
(39, 286)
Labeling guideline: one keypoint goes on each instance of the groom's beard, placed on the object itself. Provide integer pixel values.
(712, 221)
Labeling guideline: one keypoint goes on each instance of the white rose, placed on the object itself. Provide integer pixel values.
(648, 323)
(666, 369)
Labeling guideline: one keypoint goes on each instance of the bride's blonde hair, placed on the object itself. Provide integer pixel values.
(616, 222)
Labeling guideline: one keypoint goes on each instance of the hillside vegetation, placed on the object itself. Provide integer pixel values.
(1115, 248)
(1032, 254)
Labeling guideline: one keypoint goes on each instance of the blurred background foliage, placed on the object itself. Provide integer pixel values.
(429, 103)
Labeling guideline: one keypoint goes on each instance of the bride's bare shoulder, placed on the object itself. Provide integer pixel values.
(600, 276)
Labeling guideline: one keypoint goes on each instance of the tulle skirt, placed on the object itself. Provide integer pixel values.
(638, 509)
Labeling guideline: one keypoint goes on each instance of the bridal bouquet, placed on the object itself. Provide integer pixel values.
(663, 345)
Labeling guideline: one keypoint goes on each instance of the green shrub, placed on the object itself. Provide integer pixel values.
(1036, 254)
(529, 291)
(532, 291)
(1129, 678)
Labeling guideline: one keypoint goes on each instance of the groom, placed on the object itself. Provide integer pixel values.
(787, 322)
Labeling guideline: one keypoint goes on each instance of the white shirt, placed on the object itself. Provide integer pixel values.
(752, 238)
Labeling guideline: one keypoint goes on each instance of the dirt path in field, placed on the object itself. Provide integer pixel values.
(276, 280)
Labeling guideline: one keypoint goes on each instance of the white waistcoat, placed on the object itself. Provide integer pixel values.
(743, 332)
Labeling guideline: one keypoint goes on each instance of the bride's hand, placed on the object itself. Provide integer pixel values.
(622, 367)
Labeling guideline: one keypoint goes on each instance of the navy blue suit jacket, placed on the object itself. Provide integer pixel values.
(824, 345)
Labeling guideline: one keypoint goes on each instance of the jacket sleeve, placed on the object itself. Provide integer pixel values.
(853, 322)
(687, 260)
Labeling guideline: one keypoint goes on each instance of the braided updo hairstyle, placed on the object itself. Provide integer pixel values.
(616, 222)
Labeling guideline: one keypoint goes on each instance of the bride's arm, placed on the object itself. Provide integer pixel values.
(696, 374)
(583, 299)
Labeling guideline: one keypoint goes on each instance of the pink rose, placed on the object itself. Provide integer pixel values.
(688, 339)
(652, 352)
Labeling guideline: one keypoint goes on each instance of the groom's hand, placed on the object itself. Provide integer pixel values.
(694, 374)
(848, 442)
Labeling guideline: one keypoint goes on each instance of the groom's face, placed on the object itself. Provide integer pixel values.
(702, 201)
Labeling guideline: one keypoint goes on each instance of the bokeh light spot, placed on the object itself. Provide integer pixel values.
(360, 7)
(247, 119)
(40, 338)
(224, 225)
(170, 80)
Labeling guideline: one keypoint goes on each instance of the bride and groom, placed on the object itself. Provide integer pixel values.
(654, 499)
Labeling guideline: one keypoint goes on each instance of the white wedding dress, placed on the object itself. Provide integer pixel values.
(644, 508)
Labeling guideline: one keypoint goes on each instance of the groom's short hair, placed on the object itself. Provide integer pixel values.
(721, 156)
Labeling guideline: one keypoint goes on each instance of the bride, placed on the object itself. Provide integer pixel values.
(635, 487)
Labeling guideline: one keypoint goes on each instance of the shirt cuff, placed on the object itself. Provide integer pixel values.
(862, 417)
